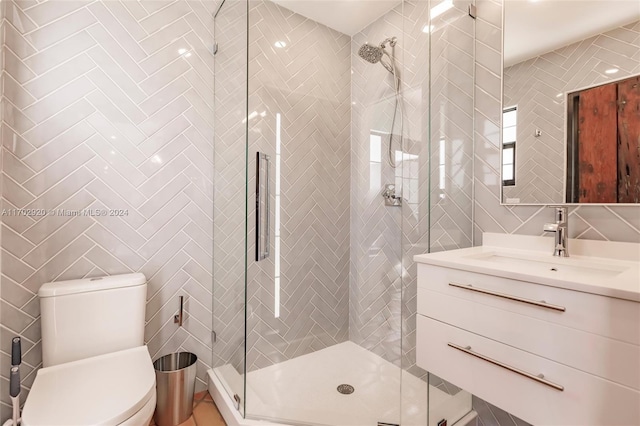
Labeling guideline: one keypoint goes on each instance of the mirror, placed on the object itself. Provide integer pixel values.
(571, 102)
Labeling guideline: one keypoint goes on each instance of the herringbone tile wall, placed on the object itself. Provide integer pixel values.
(614, 223)
(108, 105)
(451, 139)
(375, 306)
(452, 129)
(299, 71)
(5, 411)
(490, 415)
(538, 86)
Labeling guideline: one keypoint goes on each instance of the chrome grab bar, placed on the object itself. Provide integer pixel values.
(539, 378)
(262, 215)
(541, 303)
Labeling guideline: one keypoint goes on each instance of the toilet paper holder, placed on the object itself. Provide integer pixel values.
(177, 319)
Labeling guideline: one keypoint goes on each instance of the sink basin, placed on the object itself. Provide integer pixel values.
(606, 268)
(560, 266)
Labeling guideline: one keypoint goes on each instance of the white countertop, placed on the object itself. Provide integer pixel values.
(599, 267)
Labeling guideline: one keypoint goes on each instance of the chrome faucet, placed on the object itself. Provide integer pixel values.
(560, 227)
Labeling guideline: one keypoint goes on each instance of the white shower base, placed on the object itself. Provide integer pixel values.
(302, 391)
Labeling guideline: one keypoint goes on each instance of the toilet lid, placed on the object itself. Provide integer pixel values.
(102, 390)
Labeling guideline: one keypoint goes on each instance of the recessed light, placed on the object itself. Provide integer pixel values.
(280, 44)
(612, 71)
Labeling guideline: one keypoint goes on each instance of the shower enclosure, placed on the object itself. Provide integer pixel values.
(338, 157)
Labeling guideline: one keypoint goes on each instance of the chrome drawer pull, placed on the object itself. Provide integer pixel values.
(542, 303)
(539, 379)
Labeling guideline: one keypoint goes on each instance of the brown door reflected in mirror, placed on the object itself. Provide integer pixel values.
(629, 140)
(597, 151)
(604, 149)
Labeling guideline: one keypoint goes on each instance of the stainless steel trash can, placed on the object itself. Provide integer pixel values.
(175, 384)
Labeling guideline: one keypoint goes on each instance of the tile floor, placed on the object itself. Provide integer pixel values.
(205, 412)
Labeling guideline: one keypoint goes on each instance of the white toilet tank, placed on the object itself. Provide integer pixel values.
(90, 317)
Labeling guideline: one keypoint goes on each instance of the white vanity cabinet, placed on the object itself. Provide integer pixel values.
(546, 354)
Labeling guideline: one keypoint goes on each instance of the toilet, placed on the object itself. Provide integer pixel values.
(96, 368)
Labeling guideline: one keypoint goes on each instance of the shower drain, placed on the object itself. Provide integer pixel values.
(346, 389)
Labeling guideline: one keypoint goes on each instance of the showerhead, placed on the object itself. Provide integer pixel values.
(374, 54)
(370, 53)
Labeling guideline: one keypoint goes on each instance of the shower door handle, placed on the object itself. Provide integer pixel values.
(263, 164)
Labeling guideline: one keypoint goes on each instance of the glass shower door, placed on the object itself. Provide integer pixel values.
(452, 104)
(230, 165)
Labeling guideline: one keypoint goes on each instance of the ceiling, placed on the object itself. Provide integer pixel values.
(532, 27)
(347, 16)
(536, 27)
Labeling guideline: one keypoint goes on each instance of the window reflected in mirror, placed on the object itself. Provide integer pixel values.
(509, 123)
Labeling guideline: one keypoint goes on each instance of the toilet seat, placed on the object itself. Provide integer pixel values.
(102, 390)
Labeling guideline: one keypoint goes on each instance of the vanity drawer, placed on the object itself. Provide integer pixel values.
(608, 358)
(583, 400)
(615, 318)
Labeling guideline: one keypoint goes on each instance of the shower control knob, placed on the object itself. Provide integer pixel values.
(390, 197)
